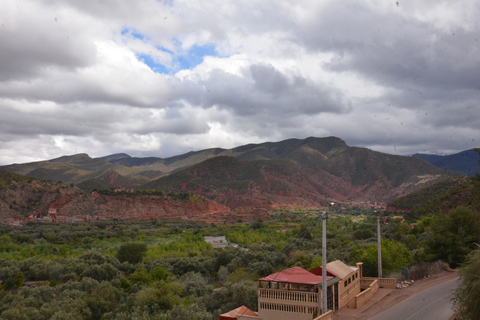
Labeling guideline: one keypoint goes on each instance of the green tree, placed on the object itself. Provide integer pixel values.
(395, 256)
(19, 280)
(158, 273)
(453, 236)
(467, 295)
(132, 252)
(140, 276)
(195, 285)
(234, 295)
(101, 272)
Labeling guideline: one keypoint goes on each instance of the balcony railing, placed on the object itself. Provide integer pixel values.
(284, 295)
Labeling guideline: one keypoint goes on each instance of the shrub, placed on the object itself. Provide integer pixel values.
(132, 252)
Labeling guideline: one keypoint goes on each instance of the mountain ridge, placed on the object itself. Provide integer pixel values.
(306, 170)
(465, 161)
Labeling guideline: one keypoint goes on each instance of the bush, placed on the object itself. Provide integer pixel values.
(132, 252)
(465, 300)
(453, 236)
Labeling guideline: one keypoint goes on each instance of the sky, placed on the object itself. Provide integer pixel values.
(162, 78)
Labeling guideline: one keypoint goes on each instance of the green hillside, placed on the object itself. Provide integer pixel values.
(82, 170)
(213, 175)
(6, 178)
(442, 197)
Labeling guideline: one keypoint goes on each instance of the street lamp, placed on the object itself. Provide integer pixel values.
(324, 260)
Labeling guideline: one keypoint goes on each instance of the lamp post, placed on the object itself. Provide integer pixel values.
(324, 260)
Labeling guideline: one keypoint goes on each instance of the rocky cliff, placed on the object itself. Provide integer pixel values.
(132, 207)
(22, 197)
(136, 207)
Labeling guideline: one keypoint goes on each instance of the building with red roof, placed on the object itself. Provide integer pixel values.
(239, 313)
(293, 292)
(296, 293)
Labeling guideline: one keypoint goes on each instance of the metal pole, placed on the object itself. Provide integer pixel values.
(324, 262)
(379, 248)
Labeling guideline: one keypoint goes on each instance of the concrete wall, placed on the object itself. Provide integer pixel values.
(347, 293)
(365, 295)
(326, 316)
(388, 283)
(286, 312)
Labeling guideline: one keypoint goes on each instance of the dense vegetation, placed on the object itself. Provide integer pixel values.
(467, 296)
(158, 269)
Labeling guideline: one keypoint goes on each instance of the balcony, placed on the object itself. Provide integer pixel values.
(306, 299)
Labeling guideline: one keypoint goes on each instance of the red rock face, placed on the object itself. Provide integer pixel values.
(71, 202)
(308, 192)
(35, 195)
(138, 207)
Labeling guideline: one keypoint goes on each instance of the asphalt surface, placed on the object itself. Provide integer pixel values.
(430, 304)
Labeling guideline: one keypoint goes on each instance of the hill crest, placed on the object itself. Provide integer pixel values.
(293, 172)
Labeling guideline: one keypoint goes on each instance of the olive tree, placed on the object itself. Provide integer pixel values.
(132, 252)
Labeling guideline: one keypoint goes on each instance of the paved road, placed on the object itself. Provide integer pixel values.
(430, 304)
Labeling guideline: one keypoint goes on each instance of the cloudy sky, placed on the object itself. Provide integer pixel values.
(161, 78)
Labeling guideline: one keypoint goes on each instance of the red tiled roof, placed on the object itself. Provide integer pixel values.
(318, 272)
(295, 275)
(244, 311)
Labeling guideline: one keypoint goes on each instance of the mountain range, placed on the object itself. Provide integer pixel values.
(466, 161)
(299, 173)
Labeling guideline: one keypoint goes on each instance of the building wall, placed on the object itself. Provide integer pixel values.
(349, 287)
(286, 301)
(274, 304)
(272, 311)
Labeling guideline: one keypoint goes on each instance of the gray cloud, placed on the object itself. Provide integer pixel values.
(33, 42)
(398, 79)
(262, 89)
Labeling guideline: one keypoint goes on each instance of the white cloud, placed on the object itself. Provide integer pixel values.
(75, 76)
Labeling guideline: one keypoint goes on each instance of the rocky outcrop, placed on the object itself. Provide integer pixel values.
(139, 207)
(23, 197)
(134, 207)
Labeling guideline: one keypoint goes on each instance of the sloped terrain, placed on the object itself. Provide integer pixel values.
(139, 207)
(21, 196)
(441, 197)
(83, 171)
(288, 184)
(465, 161)
(290, 173)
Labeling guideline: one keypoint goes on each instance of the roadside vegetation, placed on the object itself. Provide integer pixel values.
(467, 296)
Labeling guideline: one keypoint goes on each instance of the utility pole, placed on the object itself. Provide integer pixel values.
(324, 260)
(379, 245)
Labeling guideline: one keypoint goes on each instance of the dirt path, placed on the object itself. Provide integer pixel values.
(387, 298)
